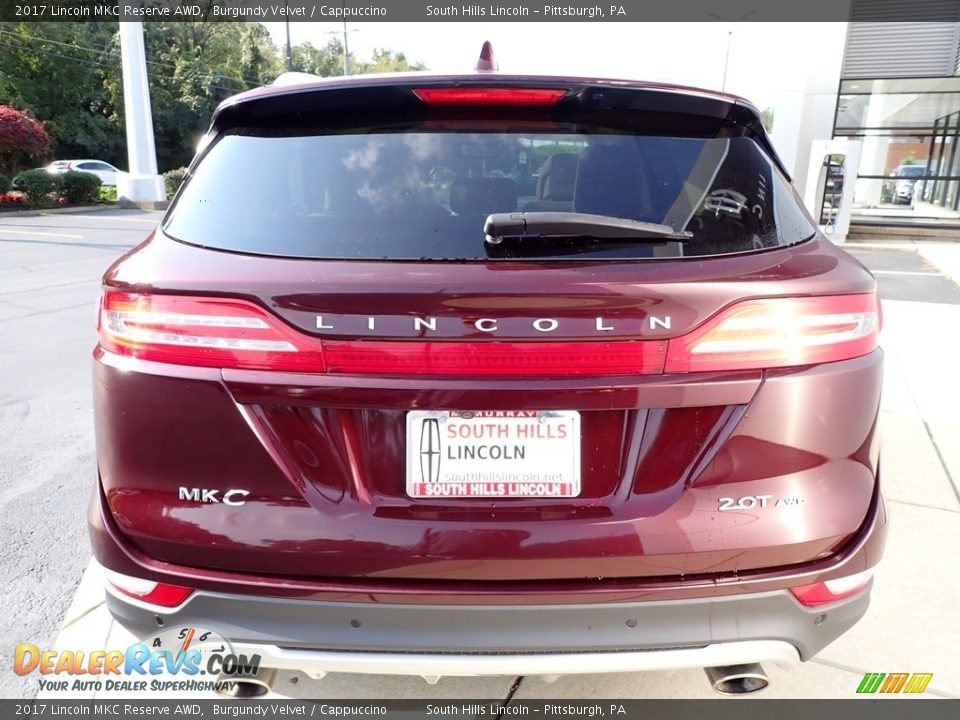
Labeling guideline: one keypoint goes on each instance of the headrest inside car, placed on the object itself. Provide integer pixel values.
(482, 196)
(557, 177)
(610, 181)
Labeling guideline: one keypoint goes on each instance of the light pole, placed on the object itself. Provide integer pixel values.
(142, 184)
(286, 6)
(726, 61)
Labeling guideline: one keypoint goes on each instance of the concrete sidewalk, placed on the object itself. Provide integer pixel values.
(912, 625)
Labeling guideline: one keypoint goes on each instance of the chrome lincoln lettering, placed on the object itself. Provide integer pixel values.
(428, 323)
(410, 326)
(545, 324)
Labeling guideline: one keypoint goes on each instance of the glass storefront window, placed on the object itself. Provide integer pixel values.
(910, 129)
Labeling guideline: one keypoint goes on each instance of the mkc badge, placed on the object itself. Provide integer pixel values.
(430, 450)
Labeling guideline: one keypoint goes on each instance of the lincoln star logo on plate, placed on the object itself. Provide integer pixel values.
(430, 450)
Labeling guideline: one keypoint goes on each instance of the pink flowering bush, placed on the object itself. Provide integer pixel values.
(21, 138)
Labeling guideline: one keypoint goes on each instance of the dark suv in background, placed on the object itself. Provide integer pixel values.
(490, 374)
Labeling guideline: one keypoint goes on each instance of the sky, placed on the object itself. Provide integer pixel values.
(765, 59)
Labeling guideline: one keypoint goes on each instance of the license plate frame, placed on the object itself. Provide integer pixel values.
(510, 454)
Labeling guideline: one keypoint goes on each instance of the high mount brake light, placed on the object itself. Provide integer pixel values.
(202, 331)
(779, 332)
(489, 95)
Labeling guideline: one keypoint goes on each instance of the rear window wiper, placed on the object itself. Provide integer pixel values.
(534, 225)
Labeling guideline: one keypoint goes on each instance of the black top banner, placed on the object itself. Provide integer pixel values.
(474, 11)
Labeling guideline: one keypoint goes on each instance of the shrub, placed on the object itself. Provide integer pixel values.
(5, 184)
(38, 185)
(108, 194)
(172, 179)
(81, 187)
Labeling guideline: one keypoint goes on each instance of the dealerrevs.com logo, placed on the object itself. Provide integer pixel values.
(178, 659)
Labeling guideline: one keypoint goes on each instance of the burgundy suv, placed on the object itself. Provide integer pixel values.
(490, 374)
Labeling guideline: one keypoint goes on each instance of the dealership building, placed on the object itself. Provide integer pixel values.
(872, 138)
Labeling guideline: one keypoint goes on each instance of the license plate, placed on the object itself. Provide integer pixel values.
(523, 454)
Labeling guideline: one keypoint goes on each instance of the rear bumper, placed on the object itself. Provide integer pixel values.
(318, 637)
(430, 665)
(689, 624)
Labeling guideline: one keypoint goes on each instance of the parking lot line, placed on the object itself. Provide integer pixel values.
(118, 218)
(5, 230)
(906, 272)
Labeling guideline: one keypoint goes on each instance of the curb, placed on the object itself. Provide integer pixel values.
(143, 204)
(62, 211)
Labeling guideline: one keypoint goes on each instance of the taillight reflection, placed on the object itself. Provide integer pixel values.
(829, 591)
(148, 591)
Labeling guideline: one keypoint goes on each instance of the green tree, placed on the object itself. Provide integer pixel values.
(385, 61)
(327, 61)
(57, 72)
(69, 76)
(193, 68)
(766, 117)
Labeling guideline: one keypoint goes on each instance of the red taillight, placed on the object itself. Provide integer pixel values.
(148, 591)
(228, 333)
(208, 332)
(830, 591)
(779, 332)
(495, 359)
(489, 95)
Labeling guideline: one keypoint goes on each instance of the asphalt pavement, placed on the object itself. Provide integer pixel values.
(49, 280)
(50, 269)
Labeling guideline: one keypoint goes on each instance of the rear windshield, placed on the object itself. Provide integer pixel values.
(426, 195)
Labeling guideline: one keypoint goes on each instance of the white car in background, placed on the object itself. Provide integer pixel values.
(103, 170)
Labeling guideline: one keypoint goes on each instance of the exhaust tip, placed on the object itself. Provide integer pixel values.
(737, 679)
(252, 687)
